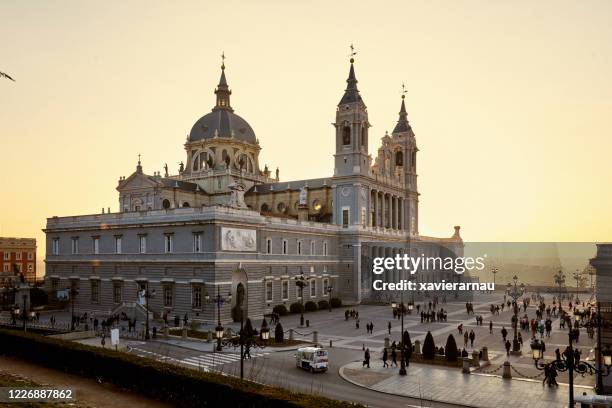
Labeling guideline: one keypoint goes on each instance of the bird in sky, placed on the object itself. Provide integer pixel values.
(2, 74)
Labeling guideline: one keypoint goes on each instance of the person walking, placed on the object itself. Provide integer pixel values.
(385, 356)
(393, 357)
(504, 332)
(460, 328)
(366, 358)
(357, 323)
(472, 338)
(389, 327)
(508, 345)
(465, 339)
(490, 327)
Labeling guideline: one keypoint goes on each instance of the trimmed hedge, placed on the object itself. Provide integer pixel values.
(310, 306)
(429, 347)
(336, 302)
(451, 348)
(323, 304)
(281, 310)
(165, 382)
(296, 307)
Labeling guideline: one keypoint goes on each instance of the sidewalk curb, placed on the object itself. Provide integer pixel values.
(417, 397)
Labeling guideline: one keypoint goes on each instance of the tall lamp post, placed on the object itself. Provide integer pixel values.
(494, 271)
(219, 300)
(25, 315)
(577, 277)
(147, 294)
(329, 294)
(301, 282)
(402, 310)
(73, 294)
(515, 291)
(568, 362)
(559, 279)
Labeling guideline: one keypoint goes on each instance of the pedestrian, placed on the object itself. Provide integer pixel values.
(504, 332)
(460, 328)
(465, 339)
(385, 356)
(490, 327)
(520, 339)
(508, 347)
(357, 323)
(393, 357)
(389, 326)
(472, 338)
(366, 358)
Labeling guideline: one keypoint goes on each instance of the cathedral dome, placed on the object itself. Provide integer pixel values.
(222, 123)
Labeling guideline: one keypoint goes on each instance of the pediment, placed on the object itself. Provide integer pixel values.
(137, 181)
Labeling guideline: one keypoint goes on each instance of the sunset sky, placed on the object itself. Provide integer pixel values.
(511, 102)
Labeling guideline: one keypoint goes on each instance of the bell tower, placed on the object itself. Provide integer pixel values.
(351, 157)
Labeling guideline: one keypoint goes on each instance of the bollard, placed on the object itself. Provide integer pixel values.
(307, 322)
(330, 343)
(417, 347)
(506, 373)
(290, 334)
(315, 337)
(485, 353)
(209, 336)
(466, 365)
(386, 342)
(475, 359)
(166, 332)
(362, 346)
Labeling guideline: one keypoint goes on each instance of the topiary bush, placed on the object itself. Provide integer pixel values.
(323, 304)
(279, 334)
(429, 347)
(336, 302)
(296, 308)
(451, 348)
(281, 310)
(310, 306)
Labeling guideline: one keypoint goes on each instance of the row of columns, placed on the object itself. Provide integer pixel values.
(386, 210)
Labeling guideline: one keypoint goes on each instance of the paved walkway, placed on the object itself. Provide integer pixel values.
(449, 385)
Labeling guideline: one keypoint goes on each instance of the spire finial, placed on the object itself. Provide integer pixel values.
(139, 159)
(353, 53)
(222, 59)
(404, 91)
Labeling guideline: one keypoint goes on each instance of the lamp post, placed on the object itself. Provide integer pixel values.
(329, 294)
(301, 282)
(494, 271)
(569, 363)
(402, 309)
(515, 291)
(559, 279)
(219, 300)
(147, 294)
(73, 294)
(25, 315)
(577, 277)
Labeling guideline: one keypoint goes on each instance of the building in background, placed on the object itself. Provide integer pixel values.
(18, 256)
(225, 225)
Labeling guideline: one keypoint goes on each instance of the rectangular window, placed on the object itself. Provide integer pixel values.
(55, 247)
(118, 242)
(313, 288)
(30, 256)
(285, 290)
(7, 255)
(312, 247)
(268, 246)
(75, 245)
(196, 297)
(95, 291)
(18, 268)
(197, 242)
(168, 295)
(96, 245)
(168, 244)
(345, 217)
(142, 244)
(117, 292)
(325, 248)
(284, 247)
(325, 286)
(18, 256)
(299, 247)
(7, 267)
(269, 289)
(30, 267)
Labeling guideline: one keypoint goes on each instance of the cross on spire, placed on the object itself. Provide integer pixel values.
(222, 59)
(138, 158)
(404, 91)
(353, 53)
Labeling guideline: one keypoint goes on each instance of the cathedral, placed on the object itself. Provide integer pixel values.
(226, 226)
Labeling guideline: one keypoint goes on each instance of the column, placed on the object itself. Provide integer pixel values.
(382, 210)
(400, 223)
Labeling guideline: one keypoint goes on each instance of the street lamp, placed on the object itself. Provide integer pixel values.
(569, 363)
(402, 309)
(219, 300)
(147, 294)
(515, 291)
(559, 279)
(265, 330)
(494, 271)
(73, 294)
(329, 294)
(301, 282)
(577, 277)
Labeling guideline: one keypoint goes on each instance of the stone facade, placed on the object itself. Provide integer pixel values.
(223, 225)
(603, 266)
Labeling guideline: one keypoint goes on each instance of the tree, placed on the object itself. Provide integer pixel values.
(429, 347)
(279, 334)
(281, 310)
(248, 329)
(451, 348)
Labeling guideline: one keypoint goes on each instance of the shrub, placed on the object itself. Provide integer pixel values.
(281, 310)
(296, 307)
(279, 334)
(336, 302)
(176, 385)
(451, 348)
(429, 347)
(323, 304)
(310, 306)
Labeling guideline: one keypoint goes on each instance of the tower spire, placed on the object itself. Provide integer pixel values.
(223, 92)
(402, 124)
(351, 93)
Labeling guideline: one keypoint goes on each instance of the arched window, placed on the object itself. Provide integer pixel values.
(225, 157)
(281, 207)
(399, 158)
(346, 135)
(186, 204)
(265, 208)
(166, 204)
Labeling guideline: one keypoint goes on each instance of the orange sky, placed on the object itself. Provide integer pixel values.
(510, 101)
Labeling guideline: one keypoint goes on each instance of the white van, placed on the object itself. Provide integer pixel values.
(312, 359)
